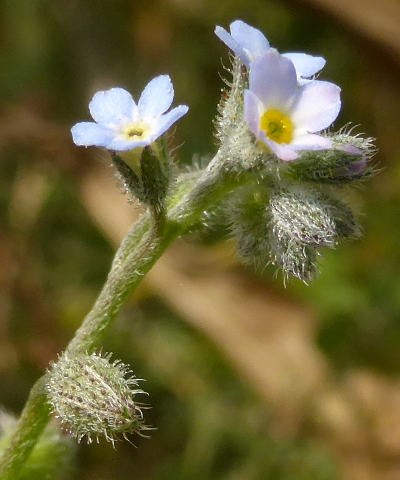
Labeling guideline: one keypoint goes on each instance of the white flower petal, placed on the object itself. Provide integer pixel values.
(91, 134)
(303, 81)
(316, 106)
(230, 42)
(122, 145)
(252, 111)
(281, 150)
(306, 65)
(310, 141)
(249, 38)
(273, 79)
(112, 107)
(166, 120)
(156, 98)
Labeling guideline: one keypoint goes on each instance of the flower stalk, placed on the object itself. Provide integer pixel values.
(142, 247)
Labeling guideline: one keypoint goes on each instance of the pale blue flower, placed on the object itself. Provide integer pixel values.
(248, 44)
(120, 124)
(284, 115)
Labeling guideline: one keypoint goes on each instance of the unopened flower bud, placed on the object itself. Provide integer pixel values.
(249, 220)
(93, 397)
(353, 170)
(303, 221)
(238, 149)
(294, 258)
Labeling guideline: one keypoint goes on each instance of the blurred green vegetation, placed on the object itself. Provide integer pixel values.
(52, 444)
(211, 423)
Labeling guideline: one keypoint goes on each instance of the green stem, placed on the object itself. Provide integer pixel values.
(142, 247)
(33, 420)
(122, 281)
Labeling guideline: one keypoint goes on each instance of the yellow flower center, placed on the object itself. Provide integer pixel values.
(135, 131)
(277, 126)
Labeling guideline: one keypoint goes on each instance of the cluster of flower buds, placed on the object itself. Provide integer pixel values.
(95, 397)
(272, 122)
(272, 126)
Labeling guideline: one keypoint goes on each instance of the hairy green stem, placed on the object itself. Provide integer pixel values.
(121, 282)
(141, 248)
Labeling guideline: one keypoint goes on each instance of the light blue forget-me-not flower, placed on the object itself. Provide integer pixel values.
(249, 43)
(122, 125)
(284, 116)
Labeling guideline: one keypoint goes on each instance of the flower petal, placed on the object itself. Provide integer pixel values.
(122, 145)
(281, 150)
(317, 105)
(252, 111)
(249, 38)
(273, 79)
(230, 42)
(112, 107)
(157, 97)
(168, 119)
(91, 134)
(306, 65)
(309, 141)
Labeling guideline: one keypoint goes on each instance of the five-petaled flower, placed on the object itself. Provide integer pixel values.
(120, 124)
(284, 115)
(249, 43)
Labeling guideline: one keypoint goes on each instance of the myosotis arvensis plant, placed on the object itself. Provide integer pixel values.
(275, 181)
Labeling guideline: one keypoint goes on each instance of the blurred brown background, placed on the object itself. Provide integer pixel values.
(247, 379)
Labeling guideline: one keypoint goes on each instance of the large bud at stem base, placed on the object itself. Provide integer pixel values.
(94, 397)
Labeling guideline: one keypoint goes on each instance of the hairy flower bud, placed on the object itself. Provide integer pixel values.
(347, 161)
(335, 166)
(249, 219)
(95, 397)
(349, 142)
(311, 217)
(302, 221)
(293, 257)
(238, 148)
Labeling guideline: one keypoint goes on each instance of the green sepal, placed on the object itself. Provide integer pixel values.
(150, 184)
(130, 179)
(155, 177)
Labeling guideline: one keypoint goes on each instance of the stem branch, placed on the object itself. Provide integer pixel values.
(141, 248)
